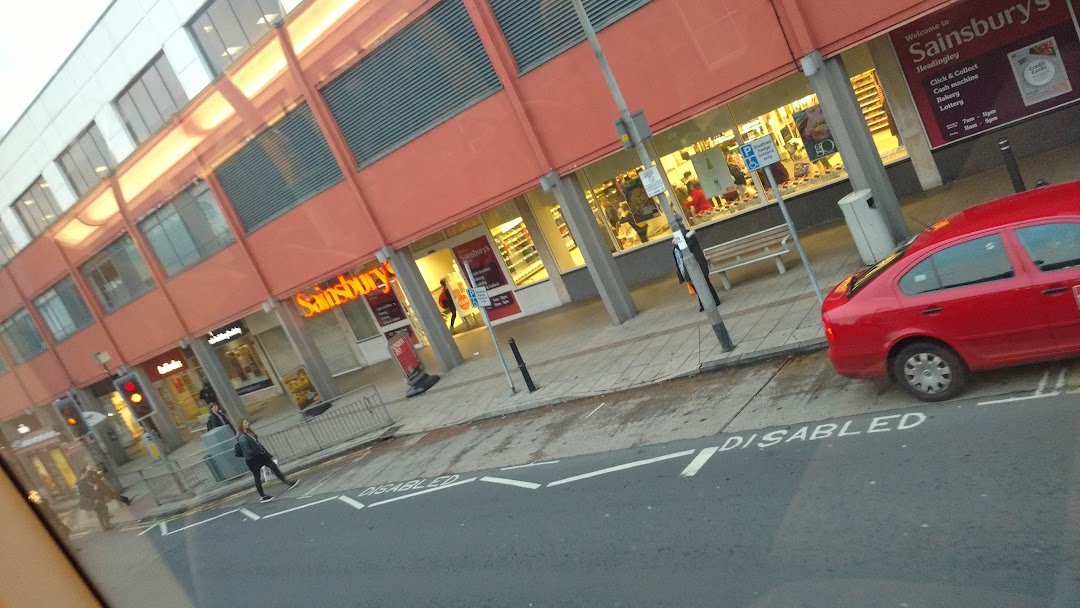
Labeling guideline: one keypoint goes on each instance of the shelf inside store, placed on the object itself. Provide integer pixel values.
(527, 272)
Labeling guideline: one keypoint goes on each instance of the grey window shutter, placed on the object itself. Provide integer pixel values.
(283, 166)
(432, 70)
(277, 347)
(538, 30)
(334, 343)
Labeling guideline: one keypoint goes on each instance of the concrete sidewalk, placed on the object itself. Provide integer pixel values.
(574, 352)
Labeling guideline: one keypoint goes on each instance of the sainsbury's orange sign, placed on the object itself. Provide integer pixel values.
(345, 290)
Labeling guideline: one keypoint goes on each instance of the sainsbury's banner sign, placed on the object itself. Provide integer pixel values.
(345, 290)
(981, 64)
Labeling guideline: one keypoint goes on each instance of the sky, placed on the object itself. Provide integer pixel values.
(36, 36)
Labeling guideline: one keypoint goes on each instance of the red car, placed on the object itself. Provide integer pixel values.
(993, 286)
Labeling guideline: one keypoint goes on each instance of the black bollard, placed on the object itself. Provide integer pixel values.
(521, 365)
(1011, 164)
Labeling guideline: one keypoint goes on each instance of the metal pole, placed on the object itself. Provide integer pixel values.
(1011, 165)
(491, 330)
(794, 234)
(697, 276)
(521, 366)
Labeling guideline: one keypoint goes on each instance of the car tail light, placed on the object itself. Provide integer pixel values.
(828, 329)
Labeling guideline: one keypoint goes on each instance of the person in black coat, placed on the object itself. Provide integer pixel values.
(256, 457)
(217, 418)
(91, 499)
(694, 246)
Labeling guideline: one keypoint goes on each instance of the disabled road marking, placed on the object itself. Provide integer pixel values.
(531, 464)
(528, 485)
(698, 462)
(435, 489)
(1041, 392)
(621, 467)
(303, 506)
(353, 503)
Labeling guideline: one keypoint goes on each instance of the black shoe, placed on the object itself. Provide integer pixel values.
(267, 498)
(292, 484)
(125, 500)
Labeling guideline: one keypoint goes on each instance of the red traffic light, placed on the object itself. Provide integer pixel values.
(72, 421)
(129, 386)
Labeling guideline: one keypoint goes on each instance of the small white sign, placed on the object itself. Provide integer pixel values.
(654, 184)
(479, 296)
(759, 153)
(679, 240)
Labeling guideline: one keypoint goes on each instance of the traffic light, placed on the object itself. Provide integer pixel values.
(71, 415)
(135, 397)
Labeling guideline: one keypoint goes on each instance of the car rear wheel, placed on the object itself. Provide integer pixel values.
(929, 371)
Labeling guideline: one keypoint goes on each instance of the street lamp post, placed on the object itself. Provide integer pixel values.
(697, 275)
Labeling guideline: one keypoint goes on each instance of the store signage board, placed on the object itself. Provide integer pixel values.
(404, 354)
(713, 173)
(653, 182)
(386, 306)
(502, 305)
(226, 333)
(981, 64)
(479, 255)
(759, 153)
(346, 289)
(479, 296)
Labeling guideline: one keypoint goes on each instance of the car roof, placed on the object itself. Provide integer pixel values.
(1048, 201)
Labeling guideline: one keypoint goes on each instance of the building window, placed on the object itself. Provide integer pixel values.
(37, 208)
(151, 99)
(87, 161)
(63, 309)
(117, 274)
(21, 337)
(187, 230)
(225, 29)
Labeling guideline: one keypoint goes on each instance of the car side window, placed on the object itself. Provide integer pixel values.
(978, 261)
(1052, 246)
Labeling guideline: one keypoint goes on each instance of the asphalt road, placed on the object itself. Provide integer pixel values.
(947, 505)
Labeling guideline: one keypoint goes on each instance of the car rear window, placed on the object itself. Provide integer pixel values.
(867, 276)
(1052, 246)
(980, 260)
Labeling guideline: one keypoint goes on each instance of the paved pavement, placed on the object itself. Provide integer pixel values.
(966, 503)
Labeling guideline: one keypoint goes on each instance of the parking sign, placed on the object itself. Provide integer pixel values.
(759, 153)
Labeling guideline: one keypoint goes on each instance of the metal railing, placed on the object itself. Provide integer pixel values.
(353, 415)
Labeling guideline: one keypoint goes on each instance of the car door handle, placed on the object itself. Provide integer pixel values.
(1054, 290)
(932, 311)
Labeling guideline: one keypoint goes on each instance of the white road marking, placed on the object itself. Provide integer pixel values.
(528, 485)
(1023, 398)
(1042, 383)
(353, 503)
(199, 523)
(249, 515)
(597, 407)
(698, 462)
(531, 464)
(152, 527)
(303, 506)
(330, 475)
(164, 529)
(621, 467)
(1061, 379)
(435, 489)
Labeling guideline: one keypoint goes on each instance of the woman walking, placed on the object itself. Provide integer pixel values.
(256, 457)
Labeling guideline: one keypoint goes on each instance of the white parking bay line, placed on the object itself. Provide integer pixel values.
(698, 462)
(531, 464)
(198, 523)
(528, 485)
(1014, 399)
(435, 489)
(249, 515)
(621, 467)
(303, 506)
(353, 503)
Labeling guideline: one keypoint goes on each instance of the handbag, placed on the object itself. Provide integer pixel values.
(237, 450)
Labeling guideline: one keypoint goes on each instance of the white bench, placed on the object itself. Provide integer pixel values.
(771, 243)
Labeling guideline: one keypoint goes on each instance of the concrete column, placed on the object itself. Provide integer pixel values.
(305, 346)
(423, 306)
(904, 113)
(187, 62)
(829, 80)
(602, 268)
(61, 190)
(543, 248)
(214, 372)
(114, 133)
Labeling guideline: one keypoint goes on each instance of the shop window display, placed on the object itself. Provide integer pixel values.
(515, 244)
(628, 215)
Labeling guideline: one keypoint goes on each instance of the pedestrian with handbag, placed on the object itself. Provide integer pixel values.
(256, 457)
(91, 499)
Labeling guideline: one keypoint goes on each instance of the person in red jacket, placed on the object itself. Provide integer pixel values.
(698, 204)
